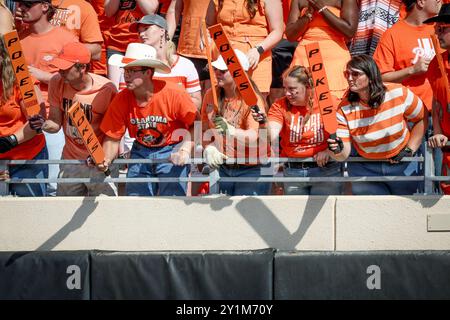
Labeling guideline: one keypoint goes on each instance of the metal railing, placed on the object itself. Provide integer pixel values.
(213, 178)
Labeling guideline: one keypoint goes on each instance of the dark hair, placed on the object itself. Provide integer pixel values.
(409, 4)
(51, 10)
(377, 89)
(81, 65)
(251, 6)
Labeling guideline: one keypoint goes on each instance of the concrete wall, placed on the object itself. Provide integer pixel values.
(225, 223)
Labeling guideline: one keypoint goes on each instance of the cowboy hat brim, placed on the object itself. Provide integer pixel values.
(117, 60)
(443, 18)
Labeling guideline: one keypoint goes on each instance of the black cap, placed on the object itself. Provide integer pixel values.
(443, 15)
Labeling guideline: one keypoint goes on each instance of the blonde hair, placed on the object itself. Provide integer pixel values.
(8, 76)
(171, 51)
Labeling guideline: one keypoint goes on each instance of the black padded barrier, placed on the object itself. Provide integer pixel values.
(44, 275)
(183, 275)
(362, 275)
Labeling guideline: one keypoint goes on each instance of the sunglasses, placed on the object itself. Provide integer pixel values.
(354, 74)
(221, 71)
(441, 28)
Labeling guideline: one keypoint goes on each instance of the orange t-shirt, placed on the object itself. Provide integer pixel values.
(400, 47)
(40, 49)
(79, 17)
(238, 114)
(154, 124)
(299, 139)
(119, 34)
(440, 91)
(99, 66)
(94, 103)
(12, 119)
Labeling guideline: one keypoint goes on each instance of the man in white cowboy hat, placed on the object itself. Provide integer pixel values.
(441, 91)
(158, 115)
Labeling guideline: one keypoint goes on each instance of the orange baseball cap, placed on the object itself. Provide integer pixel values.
(70, 54)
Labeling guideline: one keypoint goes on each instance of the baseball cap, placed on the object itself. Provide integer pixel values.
(221, 65)
(71, 53)
(149, 19)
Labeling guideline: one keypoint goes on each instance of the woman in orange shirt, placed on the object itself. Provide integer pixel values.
(233, 132)
(296, 119)
(18, 141)
(331, 23)
(254, 27)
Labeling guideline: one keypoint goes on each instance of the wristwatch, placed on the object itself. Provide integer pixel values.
(260, 49)
(408, 150)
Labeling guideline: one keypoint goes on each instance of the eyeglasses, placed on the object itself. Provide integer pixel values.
(441, 28)
(354, 74)
(133, 71)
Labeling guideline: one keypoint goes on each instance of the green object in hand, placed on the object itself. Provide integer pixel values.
(221, 124)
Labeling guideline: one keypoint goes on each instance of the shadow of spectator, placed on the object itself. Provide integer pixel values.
(270, 229)
(79, 218)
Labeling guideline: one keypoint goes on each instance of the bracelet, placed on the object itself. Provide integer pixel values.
(323, 8)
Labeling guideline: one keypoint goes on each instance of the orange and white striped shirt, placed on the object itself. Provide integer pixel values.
(183, 73)
(380, 133)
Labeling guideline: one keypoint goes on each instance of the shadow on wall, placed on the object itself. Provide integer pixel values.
(264, 222)
(78, 219)
(270, 229)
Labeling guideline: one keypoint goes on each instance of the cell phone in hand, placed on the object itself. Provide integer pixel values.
(256, 109)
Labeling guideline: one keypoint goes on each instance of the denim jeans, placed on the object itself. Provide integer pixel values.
(372, 169)
(155, 170)
(332, 169)
(243, 188)
(27, 171)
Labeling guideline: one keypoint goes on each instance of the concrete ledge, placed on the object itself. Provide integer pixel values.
(133, 224)
(389, 223)
(344, 223)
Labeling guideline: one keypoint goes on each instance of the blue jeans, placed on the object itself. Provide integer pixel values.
(27, 171)
(333, 169)
(243, 188)
(155, 170)
(372, 169)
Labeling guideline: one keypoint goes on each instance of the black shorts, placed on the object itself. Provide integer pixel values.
(201, 65)
(282, 55)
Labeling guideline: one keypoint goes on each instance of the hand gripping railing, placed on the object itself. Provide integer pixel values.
(428, 177)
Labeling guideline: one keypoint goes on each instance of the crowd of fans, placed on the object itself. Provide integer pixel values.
(139, 70)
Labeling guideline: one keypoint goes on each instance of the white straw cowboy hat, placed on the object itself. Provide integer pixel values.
(141, 55)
